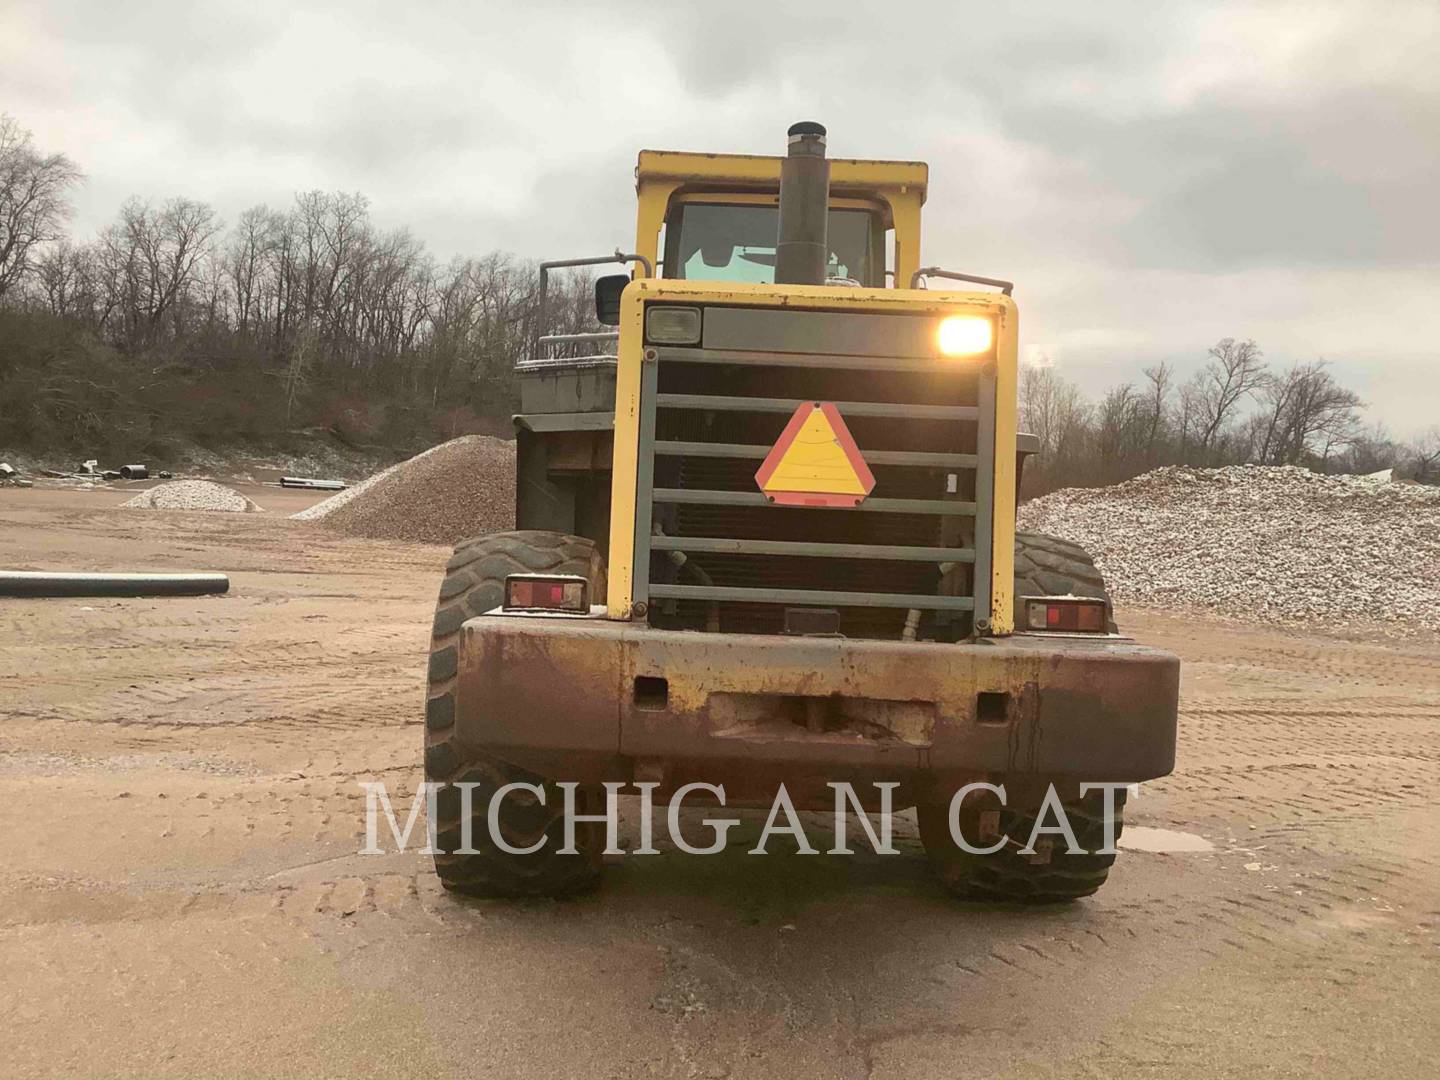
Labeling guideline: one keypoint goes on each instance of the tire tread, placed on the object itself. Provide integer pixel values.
(474, 584)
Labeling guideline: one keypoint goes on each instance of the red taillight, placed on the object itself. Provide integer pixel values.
(536, 592)
(1071, 615)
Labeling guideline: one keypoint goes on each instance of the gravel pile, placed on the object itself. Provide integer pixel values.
(1276, 544)
(191, 495)
(457, 489)
(328, 506)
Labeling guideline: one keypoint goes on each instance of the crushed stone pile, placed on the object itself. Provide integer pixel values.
(191, 495)
(1275, 544)
(458, 489)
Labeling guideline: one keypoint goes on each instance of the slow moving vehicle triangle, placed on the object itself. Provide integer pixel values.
(815, 462)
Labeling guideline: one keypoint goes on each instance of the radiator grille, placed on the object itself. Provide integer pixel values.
(716, 556)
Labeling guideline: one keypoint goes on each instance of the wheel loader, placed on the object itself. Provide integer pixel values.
(765, 535)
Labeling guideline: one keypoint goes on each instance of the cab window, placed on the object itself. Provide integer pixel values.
(727, 242)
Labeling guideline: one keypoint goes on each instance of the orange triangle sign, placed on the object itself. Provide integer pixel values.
(815, 462)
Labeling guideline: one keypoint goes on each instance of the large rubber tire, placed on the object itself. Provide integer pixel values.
(1051, 875)
(474, 584)
(1048, 566)
(1044, 566)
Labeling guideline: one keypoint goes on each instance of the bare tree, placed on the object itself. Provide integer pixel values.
(332, 229)
(253, 240)
(1186, 417)
(1302, 405)
(1233, 374)
(1157, 405)
(1050, 407)
(1371, 450)
(159, 254)
(295, 371)
(1121, 424)
(1053, 409)
(62, 274)
(1423, 456)
(33, 200)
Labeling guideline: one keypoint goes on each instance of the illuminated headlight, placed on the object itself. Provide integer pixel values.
(673, 325)
(964, 335)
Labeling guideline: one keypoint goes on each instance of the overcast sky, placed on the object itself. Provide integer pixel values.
(1154, 175)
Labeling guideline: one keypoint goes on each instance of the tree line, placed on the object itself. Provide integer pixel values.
(1235, 409)
(169, 327)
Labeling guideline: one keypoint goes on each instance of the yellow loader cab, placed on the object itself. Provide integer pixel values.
(765, 535)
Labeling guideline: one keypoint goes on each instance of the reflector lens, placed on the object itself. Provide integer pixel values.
(1069, 616)
(964, 335)
(528, 592)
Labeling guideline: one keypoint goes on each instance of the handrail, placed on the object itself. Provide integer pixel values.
(1005, 287)
(580, 339)
(557, 264)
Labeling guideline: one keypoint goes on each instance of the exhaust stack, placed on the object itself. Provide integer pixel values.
(801, 253)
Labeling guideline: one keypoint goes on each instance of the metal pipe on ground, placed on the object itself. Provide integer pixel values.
(45, 583)
(312, 485)
(802, 254)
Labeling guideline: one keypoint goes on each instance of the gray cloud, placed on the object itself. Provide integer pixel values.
(1155, 175)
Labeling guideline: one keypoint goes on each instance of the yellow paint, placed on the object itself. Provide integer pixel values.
(1000, 309)
(761, 169)
(625, 463)
(898, 188)
(816, 462)
(1002, 560)
(654, 203)
(662, 176)
(765, 198)
(905, 207)
(826, 297)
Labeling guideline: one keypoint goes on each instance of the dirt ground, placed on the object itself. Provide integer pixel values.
(181, 894)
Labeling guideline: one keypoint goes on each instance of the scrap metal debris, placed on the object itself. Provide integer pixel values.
(10, 476)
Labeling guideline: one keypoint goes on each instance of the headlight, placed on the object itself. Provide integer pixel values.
(964, 335)
(673, 325)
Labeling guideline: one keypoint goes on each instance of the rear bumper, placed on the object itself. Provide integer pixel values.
(591, 699)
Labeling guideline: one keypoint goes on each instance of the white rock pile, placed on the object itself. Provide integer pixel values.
(191, 495)
(1276, 544)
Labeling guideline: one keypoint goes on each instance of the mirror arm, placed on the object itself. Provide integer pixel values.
(557, 264)
(621, 257)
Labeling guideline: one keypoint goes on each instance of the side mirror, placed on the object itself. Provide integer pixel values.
(607, 298)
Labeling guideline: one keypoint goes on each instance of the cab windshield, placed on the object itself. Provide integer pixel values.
(727, 242)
